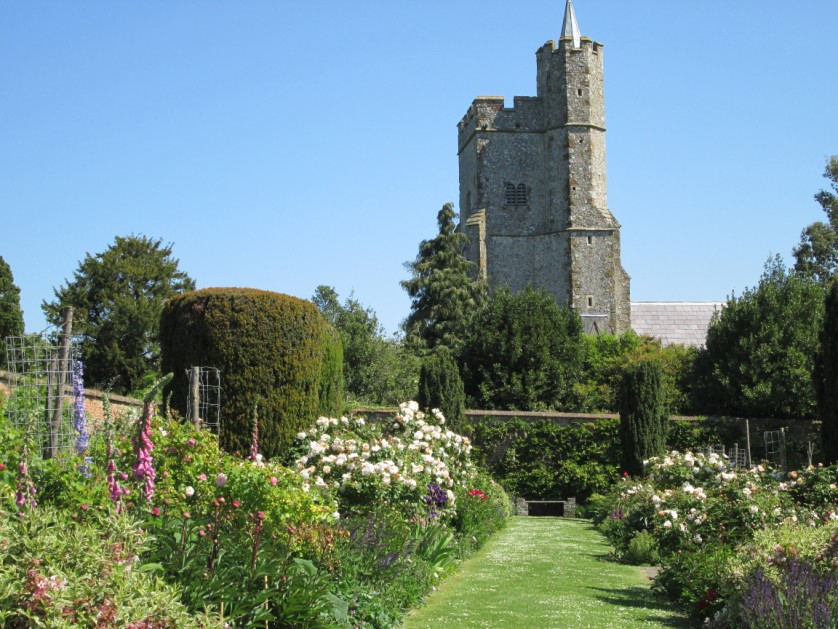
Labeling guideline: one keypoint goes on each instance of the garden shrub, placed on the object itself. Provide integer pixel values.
(268, 347)
(440, 386)
(643, 418)
(82, 569)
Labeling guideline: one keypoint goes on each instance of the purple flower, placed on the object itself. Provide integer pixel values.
(79, 417)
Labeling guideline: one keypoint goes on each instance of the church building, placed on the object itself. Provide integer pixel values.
(533, 180)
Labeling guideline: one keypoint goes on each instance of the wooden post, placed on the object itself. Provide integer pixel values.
(61, 381)
(195, 395)
(748, 441)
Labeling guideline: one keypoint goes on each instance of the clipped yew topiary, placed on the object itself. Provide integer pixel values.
(331, 379)
(269, 347)
(826, 376)
(440, 386)
(643, 418)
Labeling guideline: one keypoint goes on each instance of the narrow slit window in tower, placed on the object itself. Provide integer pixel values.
(590, 301)
(590, 240)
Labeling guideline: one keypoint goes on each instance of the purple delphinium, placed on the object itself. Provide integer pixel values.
(804, 597)
(143, 445)
(79, 417)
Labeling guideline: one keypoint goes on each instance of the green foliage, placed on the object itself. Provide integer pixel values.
(759, 356)
(643, 417)
(376, 370)
(63, 569)
(523, 352)
(11, 316)
(331, 378)
(606, 357)
(826, 376)
(543, 460)
(267, 346)
(817, 254)
(442, 290)
(117, 297)
(440, 386)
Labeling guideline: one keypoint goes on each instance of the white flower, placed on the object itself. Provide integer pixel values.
(190, 491)
(336, 515)
(753, 509)
(667, 524)
(301, 435)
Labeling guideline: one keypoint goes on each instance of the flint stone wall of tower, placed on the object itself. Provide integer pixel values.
(562, 238)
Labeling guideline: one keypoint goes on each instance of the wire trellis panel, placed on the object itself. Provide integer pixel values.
(41, 399)
(775, 448)
(205, 397)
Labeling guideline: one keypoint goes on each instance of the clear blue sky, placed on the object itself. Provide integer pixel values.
(284, 145)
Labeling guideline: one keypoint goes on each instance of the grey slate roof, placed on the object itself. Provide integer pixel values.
(674, 322)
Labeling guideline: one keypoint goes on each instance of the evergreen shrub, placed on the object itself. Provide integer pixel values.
(268, 347)
(643, 418)
(440, 386)
(826, 376)
(331, 379)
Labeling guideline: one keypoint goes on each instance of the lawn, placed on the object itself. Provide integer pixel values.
(546, 573)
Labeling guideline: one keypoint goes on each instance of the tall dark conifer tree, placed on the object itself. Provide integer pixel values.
(443, 290)
(826, 376)
(11, 316)
(643, 418)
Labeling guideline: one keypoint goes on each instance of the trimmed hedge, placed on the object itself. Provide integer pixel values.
(271, 348)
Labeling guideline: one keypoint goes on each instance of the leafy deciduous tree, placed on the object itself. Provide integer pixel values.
(760, 349)
(817, 253)
(117, 298)
(11, 316)
(376, 370)
(443, 291)
(523, 352)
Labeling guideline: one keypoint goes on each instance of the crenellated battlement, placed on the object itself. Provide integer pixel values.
(489, 113)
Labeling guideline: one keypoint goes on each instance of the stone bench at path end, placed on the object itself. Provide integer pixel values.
(557, 508)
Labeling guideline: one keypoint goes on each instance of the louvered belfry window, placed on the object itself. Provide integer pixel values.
(516, 195)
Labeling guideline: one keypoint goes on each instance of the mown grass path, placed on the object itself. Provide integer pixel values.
(545, 573)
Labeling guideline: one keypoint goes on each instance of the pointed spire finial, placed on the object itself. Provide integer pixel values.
(570, 27)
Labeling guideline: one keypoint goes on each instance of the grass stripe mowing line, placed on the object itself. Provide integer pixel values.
(545, 573)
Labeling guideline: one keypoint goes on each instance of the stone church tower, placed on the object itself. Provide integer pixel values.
(533, 186)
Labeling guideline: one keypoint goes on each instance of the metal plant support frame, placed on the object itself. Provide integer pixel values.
(205, 397)
(41, 400)
(775, 447)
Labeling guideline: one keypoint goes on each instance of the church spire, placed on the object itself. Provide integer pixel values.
(570, 27)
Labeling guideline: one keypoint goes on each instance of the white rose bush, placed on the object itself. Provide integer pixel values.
(731, 540)
(412, 463)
